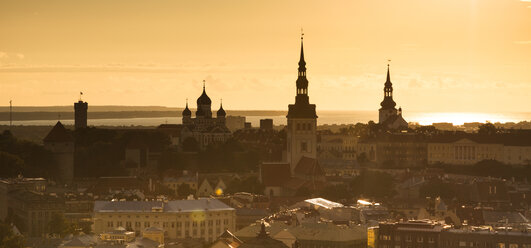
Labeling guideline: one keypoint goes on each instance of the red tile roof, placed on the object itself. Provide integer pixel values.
(308, 166)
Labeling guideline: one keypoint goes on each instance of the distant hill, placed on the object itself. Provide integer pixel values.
(25, 113)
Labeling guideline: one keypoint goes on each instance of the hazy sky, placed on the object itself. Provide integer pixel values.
(451, 55)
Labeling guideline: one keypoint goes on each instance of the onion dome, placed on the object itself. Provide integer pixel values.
(221, 111)
(186, 111)
(204, 99)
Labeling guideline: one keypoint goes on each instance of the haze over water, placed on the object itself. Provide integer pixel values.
(326, 117)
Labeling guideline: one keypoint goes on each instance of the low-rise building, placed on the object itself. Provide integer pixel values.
(202, 218)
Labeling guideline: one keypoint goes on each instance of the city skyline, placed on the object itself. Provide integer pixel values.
(460, 65)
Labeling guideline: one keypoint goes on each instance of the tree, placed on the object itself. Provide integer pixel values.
(487, 128)
(58, 225)
(10, 165)
(8, 239)
(373, 184)
(184, 190)
(190, 145)
(362, 158)
(304, 192)
(338, 192)
(249, 185)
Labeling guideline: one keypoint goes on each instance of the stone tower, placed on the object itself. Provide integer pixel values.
(302, 121)
(61, 144)
(80, 114)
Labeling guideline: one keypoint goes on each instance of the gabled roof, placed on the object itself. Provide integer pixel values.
(275, 174)
(308, 166)
(58, 134)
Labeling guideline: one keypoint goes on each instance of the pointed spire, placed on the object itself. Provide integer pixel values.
(302, 63)
(388, 76)
(204, 82)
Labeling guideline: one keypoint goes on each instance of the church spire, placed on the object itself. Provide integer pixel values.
(388, 77)
(302, 82)
(388, 102)
(302, 63)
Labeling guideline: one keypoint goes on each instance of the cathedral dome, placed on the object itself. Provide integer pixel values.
(204, 99)
(221, 111)
(186, 111)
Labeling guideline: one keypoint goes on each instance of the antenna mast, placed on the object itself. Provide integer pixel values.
(10, 113)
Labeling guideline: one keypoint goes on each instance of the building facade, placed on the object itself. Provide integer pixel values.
(468, 152)
(428, 234)
(201, 218)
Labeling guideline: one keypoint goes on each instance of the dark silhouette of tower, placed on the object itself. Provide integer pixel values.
(389, 116)
(61, 143)
(80, 109)
(388, 104)
(302, 120)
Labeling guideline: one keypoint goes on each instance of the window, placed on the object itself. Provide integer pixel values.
(408, 238)
(385, 237)
(304, 146)
(420, 239)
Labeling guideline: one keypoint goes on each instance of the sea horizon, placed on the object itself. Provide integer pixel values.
(326, 117)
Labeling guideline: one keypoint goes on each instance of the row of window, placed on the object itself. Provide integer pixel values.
(408, 238)
(165, 224)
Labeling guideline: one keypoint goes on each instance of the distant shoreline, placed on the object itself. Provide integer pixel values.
(63, 115)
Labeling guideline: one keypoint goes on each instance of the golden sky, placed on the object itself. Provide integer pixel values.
(451, 55)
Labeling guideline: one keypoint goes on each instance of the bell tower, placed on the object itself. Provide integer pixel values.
(302, 120)
(388, 104)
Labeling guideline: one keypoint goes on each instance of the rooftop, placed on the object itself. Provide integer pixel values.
(203, 204)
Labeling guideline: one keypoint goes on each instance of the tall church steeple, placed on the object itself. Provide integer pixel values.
(302, 120)
(388, 102)
(302, 81)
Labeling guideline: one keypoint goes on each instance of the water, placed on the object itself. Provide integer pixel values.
(325, 117)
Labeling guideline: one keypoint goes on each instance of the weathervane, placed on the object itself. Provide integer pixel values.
(388, 61)
(302, 34)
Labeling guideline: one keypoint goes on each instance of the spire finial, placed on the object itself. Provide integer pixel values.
(302, 63)
(204, 81)
(221, 101)
(388, 76)
(80, 95)
(187, 102)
